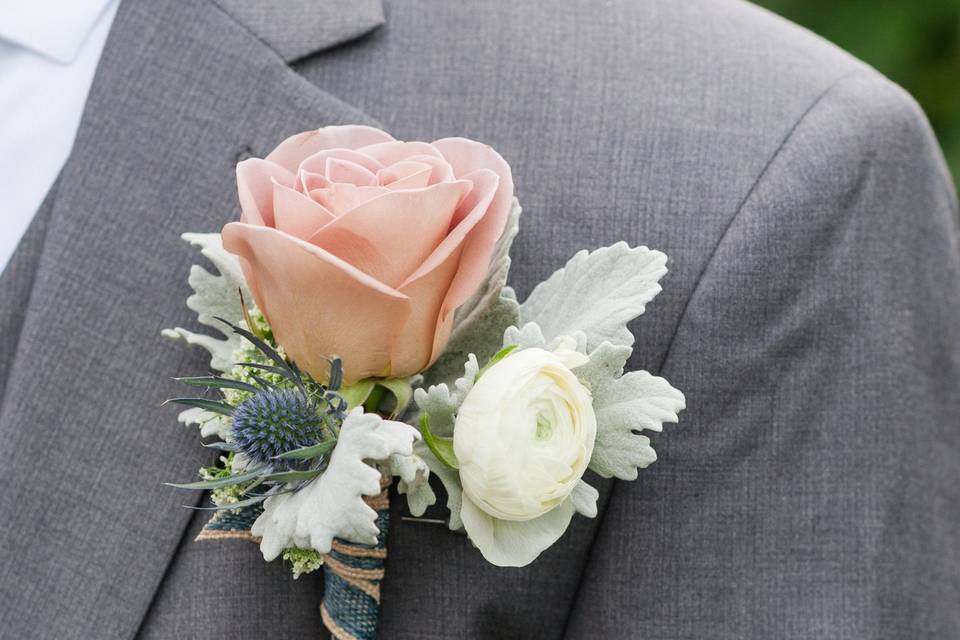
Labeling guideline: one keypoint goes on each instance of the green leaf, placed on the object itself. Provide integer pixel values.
(497, 357)
(290, 371)
(442, 448)
(370, 392)
(356, 394)
(292, 476)
(401, 390)
(266, 384)
(307, 453)
(249, 502)
(222, 446)
(208, 405)
(372, 403)
(223, 482)
(216, 382)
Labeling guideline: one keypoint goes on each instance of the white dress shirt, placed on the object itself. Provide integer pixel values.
(49, 51)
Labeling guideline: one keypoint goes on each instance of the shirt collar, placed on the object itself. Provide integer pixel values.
(52, 28)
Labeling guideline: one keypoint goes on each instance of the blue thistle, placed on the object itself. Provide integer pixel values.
(287, 425)
(274, 421)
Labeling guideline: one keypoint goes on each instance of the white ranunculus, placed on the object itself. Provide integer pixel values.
(523, 438)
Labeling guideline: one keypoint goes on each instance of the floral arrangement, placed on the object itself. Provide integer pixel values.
(366, 332)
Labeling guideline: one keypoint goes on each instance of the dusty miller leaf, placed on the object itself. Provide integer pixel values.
(531, 336)
(484, 339)
(625, 404)
(606, 364)
(332, 505)
(440, 403)
(214, 296)
(597, 293)
(450, 479)
(584, 499)
(414, 481)
(210, 423)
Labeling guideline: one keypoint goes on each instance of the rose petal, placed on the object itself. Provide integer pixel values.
(472, 210)
(415, 349)
(319, 164)
(466, 156)
(339, 170)
(318, 305)
(255, 180)
(297, 214)
(341, 198)
(388, 153)
(442, 171)
(292, 151)
(389, 237)
(406, 174)
(308, 181)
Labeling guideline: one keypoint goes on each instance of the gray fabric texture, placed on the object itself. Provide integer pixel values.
(17, 285)
(810, 316)
(297, 28)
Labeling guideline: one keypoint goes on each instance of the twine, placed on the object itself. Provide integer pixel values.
(352, 572)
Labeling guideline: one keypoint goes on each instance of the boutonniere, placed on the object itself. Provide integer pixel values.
(366, 332)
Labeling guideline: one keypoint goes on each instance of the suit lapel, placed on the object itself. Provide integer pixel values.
(297, 28)
(183, 91)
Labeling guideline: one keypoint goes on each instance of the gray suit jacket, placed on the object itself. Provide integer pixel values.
(812, 488)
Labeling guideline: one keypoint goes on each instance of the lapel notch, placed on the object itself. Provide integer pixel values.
(298, 28)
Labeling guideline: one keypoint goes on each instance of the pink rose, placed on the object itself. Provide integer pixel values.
(358, 245)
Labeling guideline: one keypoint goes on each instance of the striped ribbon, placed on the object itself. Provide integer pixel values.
(352, 572)
(351, 580)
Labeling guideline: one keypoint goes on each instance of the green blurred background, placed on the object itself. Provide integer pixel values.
(915, 43)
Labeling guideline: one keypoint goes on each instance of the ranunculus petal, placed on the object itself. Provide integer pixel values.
(470, 213)
(297, 214)
(292, 151)
(509, 543)
(392, 152)
(406, 174)
(467, 156)
(255, 180)
(390, 236)
(318, 305)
